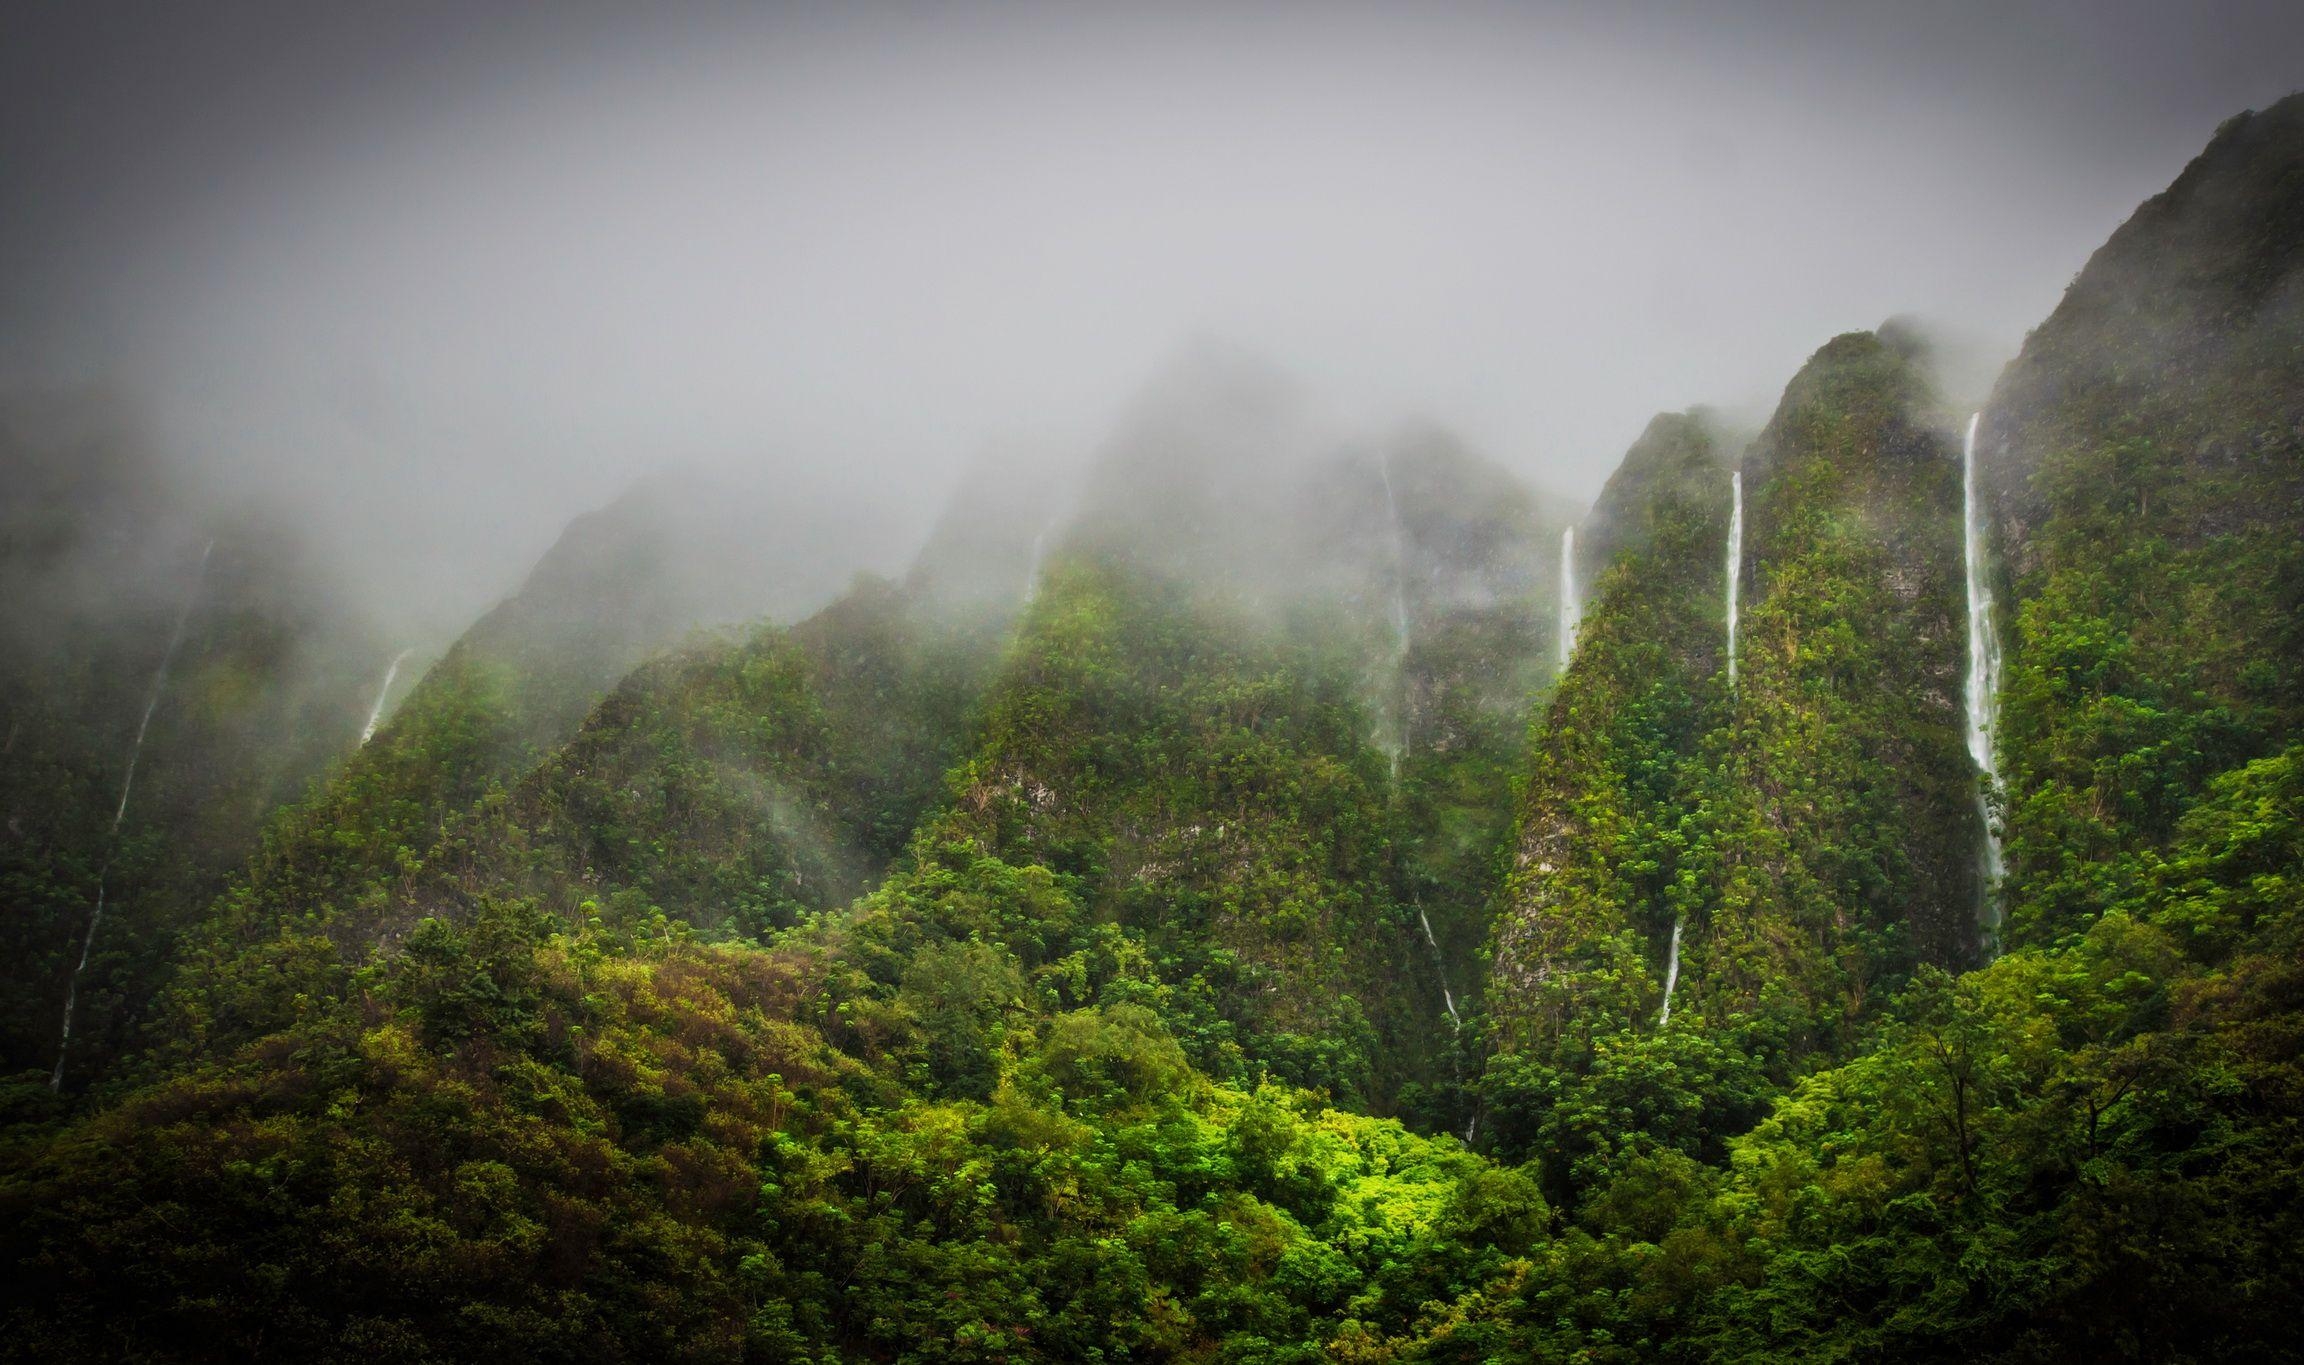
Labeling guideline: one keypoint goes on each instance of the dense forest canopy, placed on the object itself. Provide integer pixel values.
(1276, 897)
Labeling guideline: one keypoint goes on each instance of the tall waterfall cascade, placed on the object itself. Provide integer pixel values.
(1568, 604)
(383, 694)
(1983, 684)
(120, 810)
(1671, 974)
(1735, 573)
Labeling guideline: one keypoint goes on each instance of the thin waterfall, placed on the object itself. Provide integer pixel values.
(1735, 573)
(1440, 965)
(376, 712)
(1671, 973)
(152, 701)
(1983, 685)
(72, 987)
(1400, 718)
(120, 811)
(1568, 603)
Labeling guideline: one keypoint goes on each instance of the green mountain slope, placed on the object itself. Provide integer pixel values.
(1590, 893)
(1782, 852)
(2148, 473)
(1846, 848)
(1212, 796)
(730, 789)
(1478, 567)
(1022, 966)
(171, 671)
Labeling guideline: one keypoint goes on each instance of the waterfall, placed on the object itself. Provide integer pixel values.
(1567, 596)
(1983, 685)
(1400, 717)
(152, 701)
(376, 712)
(72, 988)
(120, 811)
(1735, 572)
(1671, 973)
(1440, 965)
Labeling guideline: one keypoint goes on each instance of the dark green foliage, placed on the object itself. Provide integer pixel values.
(502, 1145)
(1478, 576)
(1595, 882)
(514, 1140)
(732, 787)
(1204, 793)
(2149, 470)
(878, 989)
(1811, 832)
(265, 685)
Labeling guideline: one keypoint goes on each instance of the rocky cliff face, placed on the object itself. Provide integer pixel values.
(1806, 836)
(1587, 913)
(1848, 839)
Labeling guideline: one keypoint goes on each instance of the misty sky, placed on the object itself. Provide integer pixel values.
(442, 275)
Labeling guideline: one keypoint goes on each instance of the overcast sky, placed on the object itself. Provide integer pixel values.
(445, 274)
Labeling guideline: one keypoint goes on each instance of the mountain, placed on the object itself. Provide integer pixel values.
(1475, 589)
(1212, 797)
(2147, 473)
(348, 866)
(985, 552)
(172, 669)
(2084, 1148)
(1849, 847)
(1616, 747)
(672, 555)
(1409, 562)
(731, 787)
(1210, 923)
(1764, 862)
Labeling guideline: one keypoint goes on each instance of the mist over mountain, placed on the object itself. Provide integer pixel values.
(434, 282)
(1256, 685)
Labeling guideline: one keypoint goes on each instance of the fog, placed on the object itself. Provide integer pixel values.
(435, 280)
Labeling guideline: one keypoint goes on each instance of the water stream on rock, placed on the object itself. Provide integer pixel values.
(376, 712)
(120, 811)
(1671, 976)
(1400, 719)
(1983, 684)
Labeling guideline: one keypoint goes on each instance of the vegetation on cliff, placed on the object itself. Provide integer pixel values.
(1078, 965)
